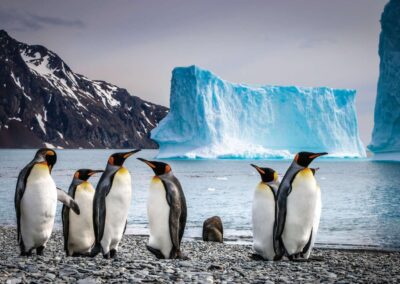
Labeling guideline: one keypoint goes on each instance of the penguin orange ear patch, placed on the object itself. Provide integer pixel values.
(76, 175)
(167, 168)
(111, 160)
(50, 153)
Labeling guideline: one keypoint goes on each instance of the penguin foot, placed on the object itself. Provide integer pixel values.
(298, 257)
(300, 260)
(156, 252)
(316, 258)
(96, 249)
(106, 255)
(182, 256)
(26, 253)
(113, 253)
(255, 256)
(39, 250)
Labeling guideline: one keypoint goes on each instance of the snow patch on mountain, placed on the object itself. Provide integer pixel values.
(18, 83)
(39, 119)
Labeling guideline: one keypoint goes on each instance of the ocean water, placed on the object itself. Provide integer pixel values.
(361, 198)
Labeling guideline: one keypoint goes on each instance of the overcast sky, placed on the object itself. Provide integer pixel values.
(136, 44)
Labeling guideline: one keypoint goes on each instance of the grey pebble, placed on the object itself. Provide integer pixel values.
(88, 280)
(14, 281)
(208, 263)
(50, 276)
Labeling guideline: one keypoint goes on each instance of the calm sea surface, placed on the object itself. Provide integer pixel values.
(361, 198)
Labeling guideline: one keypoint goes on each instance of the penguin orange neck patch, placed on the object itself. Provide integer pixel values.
(306, 171)
(123, 170)
(156, 179)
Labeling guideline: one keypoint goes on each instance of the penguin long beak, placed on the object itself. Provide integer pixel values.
(316, 155)
(128, 154)
(95, 171)
(147, 162)
(258, 169)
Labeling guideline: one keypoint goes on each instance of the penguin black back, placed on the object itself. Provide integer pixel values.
(176, 201)
(43, 155)
(114, 164)
(301, 160)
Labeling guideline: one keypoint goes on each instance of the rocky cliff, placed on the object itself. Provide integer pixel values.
(43, 102)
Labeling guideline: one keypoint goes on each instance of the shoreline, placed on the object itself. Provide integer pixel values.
(247, 241)
(208, 263)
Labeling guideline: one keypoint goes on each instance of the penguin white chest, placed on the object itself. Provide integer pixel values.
(263, 218)
(81, 233)
(302, 204)
(158, 212)
(118, 202)
(38, 207)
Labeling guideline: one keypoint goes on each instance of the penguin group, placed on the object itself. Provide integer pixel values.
(285, 215)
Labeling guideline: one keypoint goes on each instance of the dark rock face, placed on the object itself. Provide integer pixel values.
(42, 101)
(386, 134)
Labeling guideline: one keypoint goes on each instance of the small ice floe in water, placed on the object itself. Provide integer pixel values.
(323, 178)
(211, 189)
(222, 178)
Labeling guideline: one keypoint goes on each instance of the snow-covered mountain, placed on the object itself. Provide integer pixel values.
(43, 102)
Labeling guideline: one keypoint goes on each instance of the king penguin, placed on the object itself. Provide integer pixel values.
(111, 204)
(166, 210)
(298, 209)
(263, 213)
(78, 229)
(36, 201)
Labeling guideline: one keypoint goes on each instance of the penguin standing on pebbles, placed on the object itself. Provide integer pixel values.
(35, 202)
(78, 229)
(111, 204)
(166, 210)
(298, 209)
(263, 213)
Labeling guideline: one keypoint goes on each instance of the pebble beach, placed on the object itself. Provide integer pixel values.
(208, 263)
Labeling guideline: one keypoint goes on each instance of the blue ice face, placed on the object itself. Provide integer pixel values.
(386, 134)
(212, 118)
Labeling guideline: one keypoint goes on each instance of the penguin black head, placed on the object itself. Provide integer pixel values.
(305, 158)
(159, 168)
(46, 155)
(267, 174)
(118, 159)
(85, 174)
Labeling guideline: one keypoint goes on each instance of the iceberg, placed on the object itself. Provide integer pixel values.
(212, 118)
(385, 141)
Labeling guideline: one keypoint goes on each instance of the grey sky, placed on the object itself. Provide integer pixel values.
(136, 44)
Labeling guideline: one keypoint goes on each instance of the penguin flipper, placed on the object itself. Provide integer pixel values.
(65, 222)
(67, 200)
(126, 224)
(99, 202)
(173, 199)
(285, 188)
(308, 245)
(19, 193)
(183, 215)
(279, 225)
